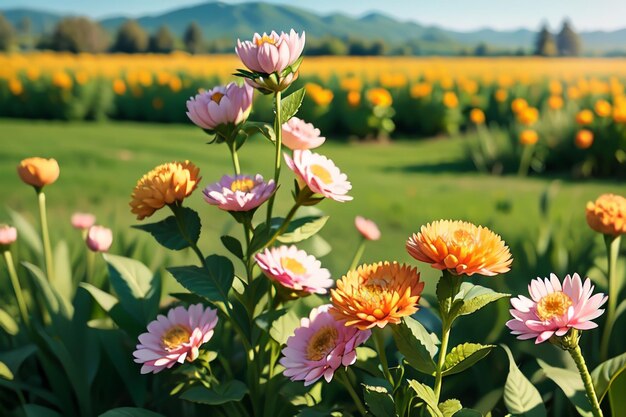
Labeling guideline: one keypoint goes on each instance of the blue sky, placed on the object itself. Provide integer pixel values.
(452, 14)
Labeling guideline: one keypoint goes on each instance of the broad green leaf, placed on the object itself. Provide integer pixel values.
(475, 297)
(316, 246)
(617, 399)
(520, 395)
(289, 105)
(606, 373)
(134, 284)
(449, 407)
(34, 410)
(168, 231)
(463, 356)
(264, 129)
(284, 326)
(62, 279)
(379, 401)
(426, 394)
(5, 372)
(7, 323)
(416, 344)
(103, 298)
(233, 245)
(130, 412)
(212, 282)
(467, 412)
(14, 358)
(26, 231)
(218, 394)
(303, 228)
(570, 383)
(55, 304)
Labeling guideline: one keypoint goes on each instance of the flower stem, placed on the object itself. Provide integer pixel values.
(342, 377)
(586, 377)
(233, 152)
(285, 224)
(612, 248)
(441, 360)
(45, 235)
(279, 143)
(358, 254)
(19, 296)
(524, 163)
(379, 342)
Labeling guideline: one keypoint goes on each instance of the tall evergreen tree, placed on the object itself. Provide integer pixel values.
(193, 38)
(162, 42)
(545, 44)
(567, 41)
(131, 38)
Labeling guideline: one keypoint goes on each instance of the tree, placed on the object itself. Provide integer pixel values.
(545, 45)
(162, 42)
(7, 33)
(193, 38)
(481, 49)
(568, 41)
(25, 26)
(78, 34)
(131, 38)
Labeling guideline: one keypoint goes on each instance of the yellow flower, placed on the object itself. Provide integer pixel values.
(619, 114)
(81, 77)
(376, 295)
(320, 95)
(528, 116)
(501, 95)
(528, 137)
(602, 108)
(352, 83)
(477, 116)
(607, 215)
(421, 90)
(15, 87)
(450, 100)
(175, 84)
(38, 171)
(584, 139)
(518, 105)
(62, 80)
(119, 87)
(584, 117)
(555, 102)
(354, 98)
(379, 97)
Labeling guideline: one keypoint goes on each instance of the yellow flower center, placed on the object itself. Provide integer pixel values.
(553, 305)
(322, 342)
(322, 173)
(217, 97)
(293, 266)
(175, 337)
(265, 39)
(245, 184)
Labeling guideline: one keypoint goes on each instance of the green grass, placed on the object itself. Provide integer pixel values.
(401, 186)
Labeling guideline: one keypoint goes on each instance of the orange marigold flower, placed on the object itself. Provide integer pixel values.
(461, 248)
(165, 184)
(528, 116)
(376, 294)
(518, 105)
(584, 139)
(379, 97)
(420, 90)
(584, 117)
(450, 100)
(528, 137)
(38, 171)
(555, 102)
(607, 215)
(602, 108)
(619, 114)
(354, 98)
(501, 95)
(477, 116)
(119, 86)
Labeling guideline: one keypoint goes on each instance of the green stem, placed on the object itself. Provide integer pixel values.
(19, 296)
(233, 152)
(278, 131)
(357, 255)
(525, 161)
(345, 381)
(612, 248)
(284, 225)
(45, 235)
(586, 377)
(441, 360)
(379, 342)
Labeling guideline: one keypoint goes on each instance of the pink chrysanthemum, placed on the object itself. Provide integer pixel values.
(320, 174)
(220, 105)
(320, 346)
(239, 193)
(367, 228)
(298, 134)
(271, 53)
(553, 308)
(175, 338)
(83, 221)
(294, 269)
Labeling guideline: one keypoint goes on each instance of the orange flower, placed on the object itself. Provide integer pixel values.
(501, 95)
(165, 184)
(379, 97)
(584, 139)
(320, 95)
(528, 137)
(461, 248)
(608, 214)
(619, 114)
(38, 171)
(354, 98)
(602, 108)
(528, 116)
(376, 294)
(119, 87)
(555, 102)
(450, 100)
(477, 116)
(518, 105)
(584, 117)
(421, 90)
(15, 87)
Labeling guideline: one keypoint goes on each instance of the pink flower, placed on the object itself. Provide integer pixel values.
(554, 309)
(175, 338)
(83, 221)
(8, 235)
(99, 238)
(271, 53)
(367, 228)
(298, 134)
(320, 346)
(239, 193)
(220, 106)
(320, 174)
(294, 269)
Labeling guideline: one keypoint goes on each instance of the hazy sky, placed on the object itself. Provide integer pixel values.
(453, 14)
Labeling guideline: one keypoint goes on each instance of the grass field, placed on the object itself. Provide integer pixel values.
(401, 186)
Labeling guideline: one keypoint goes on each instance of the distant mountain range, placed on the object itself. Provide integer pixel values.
(220, 20)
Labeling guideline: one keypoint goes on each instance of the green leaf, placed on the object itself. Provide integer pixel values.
(55, 304)
(467, 412)
(475, 297)
(167, 232)
(379, 401)
(464, 356)
(289, 105)
(426, 394)
(34, 410)
(416, 344)
(617, 399)
(233, 245)
(62, 281)
(5, 372)
(570, 383)
(130, 412)
(303, 228)
(520, 395)
(264, 129)
(7, 323)
(212, 282)
(26, 232)
(14, 359)
(449, 407)
(284, 326)
(103, 298)
(606, 373)
(218, 394)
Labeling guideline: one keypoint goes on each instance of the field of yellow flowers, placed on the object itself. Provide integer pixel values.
(538, 113)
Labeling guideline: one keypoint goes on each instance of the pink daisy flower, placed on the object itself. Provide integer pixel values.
(294, 269)
(554, 308)
(83, 221)
(220, 105)
(367, 228)
(320, 174)
(298, 134)
(239, 193)
(320, 346)
(175, 338)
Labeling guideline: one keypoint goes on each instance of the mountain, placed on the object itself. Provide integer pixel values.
(221, 20)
